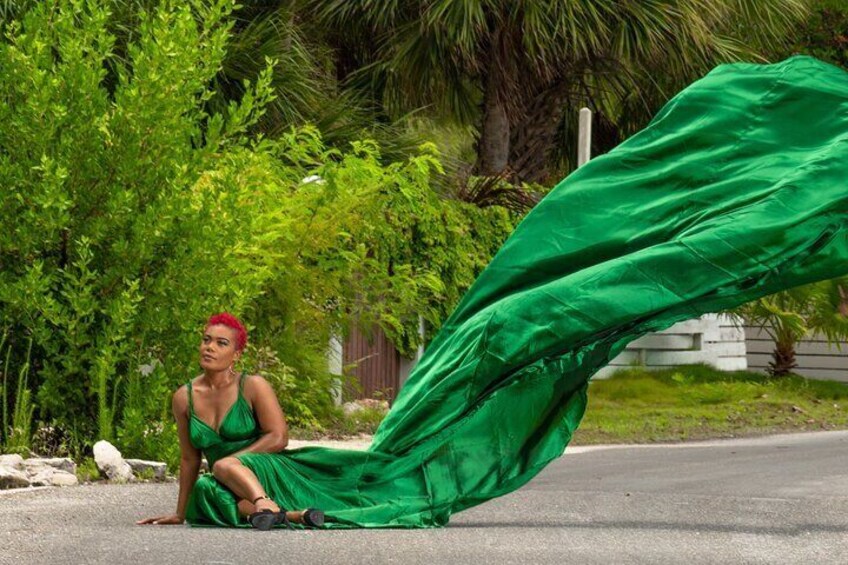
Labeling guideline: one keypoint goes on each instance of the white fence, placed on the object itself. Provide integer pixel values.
(815, 358)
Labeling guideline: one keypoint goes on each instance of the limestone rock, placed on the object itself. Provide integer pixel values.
(64, 479)
(12, 460)
(42, 477)
(12, 478)
(58, 463)
(111, 463)
(50, 476)
(158, 467)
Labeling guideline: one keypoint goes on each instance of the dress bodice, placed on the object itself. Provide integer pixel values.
(237, 429)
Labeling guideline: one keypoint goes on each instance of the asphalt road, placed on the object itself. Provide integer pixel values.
(782, 499)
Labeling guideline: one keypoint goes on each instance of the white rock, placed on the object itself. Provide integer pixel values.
(12, 478)
(59, 463)
(158, 467)
(110, 462)
(48, 476)
(64, 479)
(43, 477)
(12, 460)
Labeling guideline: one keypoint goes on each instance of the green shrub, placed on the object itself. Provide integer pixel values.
(116, 179)
(137, 212)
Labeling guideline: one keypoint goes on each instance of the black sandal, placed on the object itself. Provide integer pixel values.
(264, 520)
(313, 518)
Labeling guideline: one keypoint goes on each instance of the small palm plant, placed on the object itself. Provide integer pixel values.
(788, 316)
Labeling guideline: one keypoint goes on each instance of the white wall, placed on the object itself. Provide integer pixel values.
(712, 338)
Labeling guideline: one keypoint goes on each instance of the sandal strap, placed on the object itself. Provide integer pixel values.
(285, 519)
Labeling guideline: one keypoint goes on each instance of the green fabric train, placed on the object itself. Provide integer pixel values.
(736, 190)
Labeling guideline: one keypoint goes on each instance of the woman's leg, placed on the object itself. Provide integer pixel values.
(244, 484)
(242, 481)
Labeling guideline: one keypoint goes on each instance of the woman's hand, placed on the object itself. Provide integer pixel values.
(168, 519)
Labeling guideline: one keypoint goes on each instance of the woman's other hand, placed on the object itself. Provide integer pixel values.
(160, 520)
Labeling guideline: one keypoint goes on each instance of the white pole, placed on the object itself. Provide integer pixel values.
(335, 363)
(584, 137)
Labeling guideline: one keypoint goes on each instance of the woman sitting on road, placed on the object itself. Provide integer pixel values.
(237, 423)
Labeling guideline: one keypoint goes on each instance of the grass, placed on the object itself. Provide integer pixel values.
(87, 471)
(696, 402)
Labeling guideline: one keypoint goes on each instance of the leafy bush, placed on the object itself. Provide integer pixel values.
(824, 34)
(112, 198)
(135, 212)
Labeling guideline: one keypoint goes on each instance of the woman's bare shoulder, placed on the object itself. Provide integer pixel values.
(181, 394)
(256, 383)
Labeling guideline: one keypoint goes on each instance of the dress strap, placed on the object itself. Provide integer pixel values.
(190, 407)
(242, 378)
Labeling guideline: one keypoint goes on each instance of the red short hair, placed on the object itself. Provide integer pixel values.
(231, 321)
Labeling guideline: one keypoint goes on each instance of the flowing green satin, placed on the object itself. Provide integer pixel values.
(736, 190)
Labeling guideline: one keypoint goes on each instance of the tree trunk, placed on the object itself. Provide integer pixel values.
(783, 359)
(493, 144)
(493, 148)
(534, 136)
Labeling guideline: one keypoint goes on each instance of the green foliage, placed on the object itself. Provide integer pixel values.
(148, 430)
(145, 474)
(363, 421)
(409, 252)
(87, 470)
(518, 71)
(20, 434)
(824, 34)
(137, 208)
(788, 316)
(303, 397)
(17, 438)
(101, 186)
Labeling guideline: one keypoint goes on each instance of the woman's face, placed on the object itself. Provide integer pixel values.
(218, 347)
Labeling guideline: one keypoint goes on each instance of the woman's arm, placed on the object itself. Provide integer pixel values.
(269, 415)
(189, 455)
(189, 461)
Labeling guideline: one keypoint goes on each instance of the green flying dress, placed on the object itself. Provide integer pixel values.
(736, 190)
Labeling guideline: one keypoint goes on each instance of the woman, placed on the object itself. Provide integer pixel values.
(224, 414)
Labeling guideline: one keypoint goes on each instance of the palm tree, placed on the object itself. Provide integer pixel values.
(511, 69)
(790, 315)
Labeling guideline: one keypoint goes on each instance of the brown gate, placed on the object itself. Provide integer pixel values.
(377, 364)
